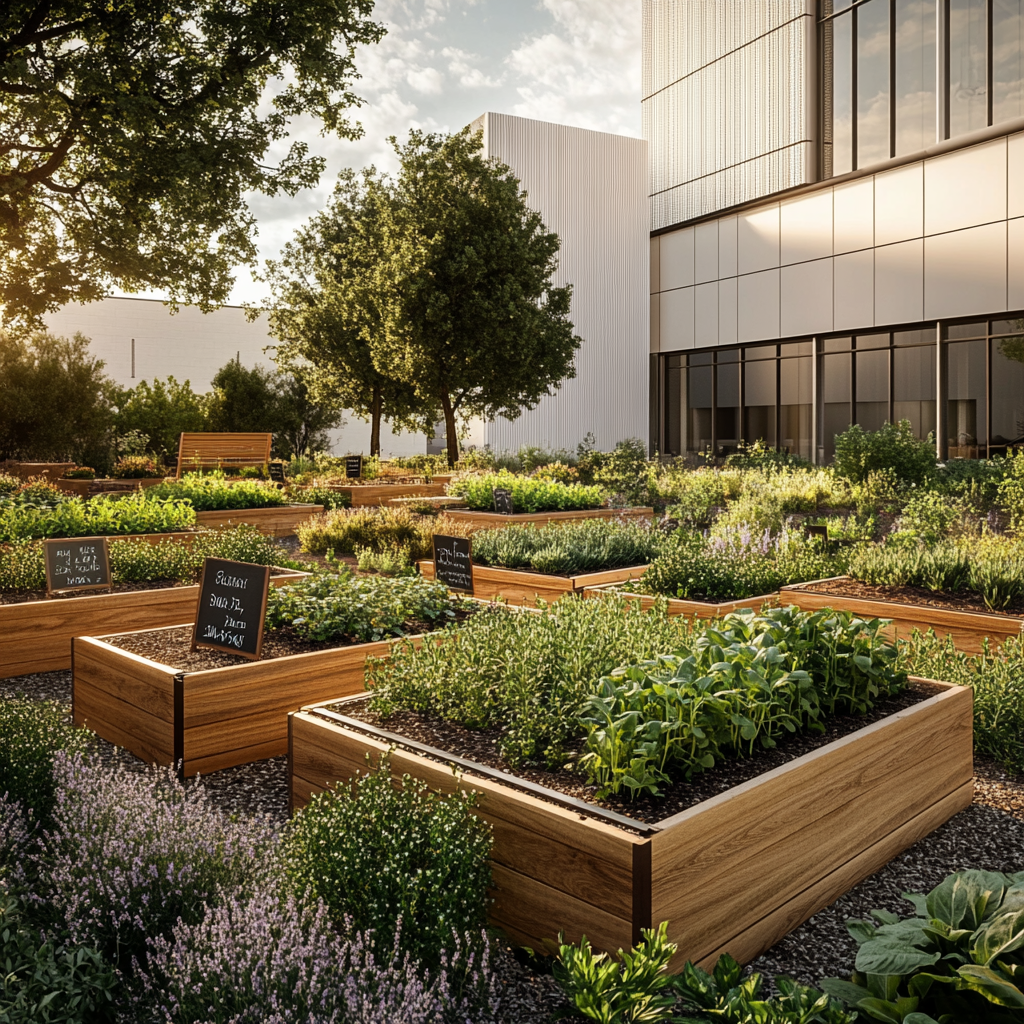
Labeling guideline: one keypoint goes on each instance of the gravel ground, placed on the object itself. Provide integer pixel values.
(988, 835)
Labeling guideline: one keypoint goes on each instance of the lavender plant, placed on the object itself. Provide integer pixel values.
(130, 854)
(275, 961)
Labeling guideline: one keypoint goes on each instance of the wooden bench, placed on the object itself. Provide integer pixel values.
(222, 451)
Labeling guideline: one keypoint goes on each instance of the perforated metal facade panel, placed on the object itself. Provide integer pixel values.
(728, 102)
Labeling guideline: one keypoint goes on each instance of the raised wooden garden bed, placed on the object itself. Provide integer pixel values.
(677, 606)
(35, 636)
(50, 471)
(274, 522)
(517, 586)
(104, 485)
(732, 874)
(375, 493)
(968, 629)
(473, 520)
(209, 719)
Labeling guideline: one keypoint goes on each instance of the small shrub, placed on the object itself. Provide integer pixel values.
(528, 494)
(213, 493)
(9, 485)
(404, 866)
(975, 481)
(135, 467)
(931, 515)
(761, 455)
(627, 473)
(378, 529)
(1011, 490)
(393, 561)
(894, 447)
(319, 495)
(695, 498)
(80, 473)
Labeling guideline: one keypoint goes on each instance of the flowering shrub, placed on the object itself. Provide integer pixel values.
(269, 960)
(406, 867)
(130, 854)
(529, 494)
(135, 467)
(14, 833)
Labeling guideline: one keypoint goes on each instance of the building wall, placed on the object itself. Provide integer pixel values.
(192, 345)
(590, 188)
(938, 238)
(728, 106)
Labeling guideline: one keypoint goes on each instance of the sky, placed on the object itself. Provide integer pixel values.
(445, 62)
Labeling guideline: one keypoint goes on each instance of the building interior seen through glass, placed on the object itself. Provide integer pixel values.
(882, 95)
(713, 400)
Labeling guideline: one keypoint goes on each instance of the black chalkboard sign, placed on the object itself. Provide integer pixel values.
(276, 470)
(353, 466)
(232, 607)
(77, 563)
(453, 562)
(503, 501)
(821, 532)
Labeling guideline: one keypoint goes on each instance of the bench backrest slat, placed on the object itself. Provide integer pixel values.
(206, 450)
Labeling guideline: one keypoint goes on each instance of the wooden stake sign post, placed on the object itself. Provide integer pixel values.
(453, 562)
(503, 501)
(353, 466)
(232, 608)
(79, 563)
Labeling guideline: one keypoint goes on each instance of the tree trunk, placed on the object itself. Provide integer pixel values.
(450, 431)
(376, 407)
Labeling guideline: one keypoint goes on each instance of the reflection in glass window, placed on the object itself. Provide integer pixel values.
(872, 82)
(759, 397)
(698, 379)
(872, 388)
(1007, 391)
(835, 394)
(795, 406)
(837, 101)
(967, 407)
(968, 102)
(1007, 60)
(915, 75)
(913, 388)
(727, 412)
(675, 418)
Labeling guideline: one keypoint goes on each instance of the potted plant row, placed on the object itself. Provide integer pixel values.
(733, 871)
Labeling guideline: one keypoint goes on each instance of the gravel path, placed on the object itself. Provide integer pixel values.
(988, 835)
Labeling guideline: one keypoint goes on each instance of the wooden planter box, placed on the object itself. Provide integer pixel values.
(274, 522)
(518, 586)
(104, 485)
(493, 520)
(36, 636)
(49, 471)
(732, 874)
(677, 606)
(378, 494)
(210, 719)
(967, 629)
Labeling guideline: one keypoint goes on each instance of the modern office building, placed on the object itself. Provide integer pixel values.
(837, 221)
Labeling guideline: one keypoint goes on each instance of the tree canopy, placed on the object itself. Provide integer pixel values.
(131, 130)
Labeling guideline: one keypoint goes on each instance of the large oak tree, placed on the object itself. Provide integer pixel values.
(131, 130)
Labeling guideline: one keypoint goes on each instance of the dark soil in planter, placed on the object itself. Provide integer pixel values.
(24, 596)
(481, 747)
(907, 595)
(173, 647)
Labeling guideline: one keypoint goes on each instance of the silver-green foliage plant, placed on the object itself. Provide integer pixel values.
(529, 494)
(740, 686)
(589, 545)
(527, 675)
(337, 606)
(959, 960)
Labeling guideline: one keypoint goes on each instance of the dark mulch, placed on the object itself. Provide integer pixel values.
(847, 587)
(482, 747)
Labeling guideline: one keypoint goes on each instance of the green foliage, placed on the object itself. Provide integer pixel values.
(529, 494)
(160, 411)
(736, 564)
(1011, 490)
(213, 493)
(697, 498)
(932, 515)
(958, 960)
(330, 606)
(43, 981)
(738, 687)
(727, 996)
(75, 517)
(974, 480)
(996, 675)
(894, 447)
(135, 467)
(142, 180)
(588, 545)
(761, 455)
(320, 495)
(31, 733)
(527, 675)
(390, 561)
(380, 529)
(628, 474)
(80, 473)
(9, 485)
(55, 399)
(400, 863)
(633, 988)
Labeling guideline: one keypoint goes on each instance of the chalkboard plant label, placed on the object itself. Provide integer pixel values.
(453, 562)
(78, 563)
(353, 466)
(276, 470)
(503, 501)
(232, 607)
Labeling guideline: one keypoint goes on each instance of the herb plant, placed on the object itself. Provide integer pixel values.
(214, 493)
(319, 495)
(379, 529)
(75, 517)
(529, 494)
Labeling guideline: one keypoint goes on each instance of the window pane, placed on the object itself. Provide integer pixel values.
(795, 409)
(968, 108)
(925, 337)
(727, 414)
(838, 73)
(759, 397)
(913, 385)
(967, 410)
(1007, 392)
(872, 388)
(835, 394)
(872, 341)
(1007, 60)
(699, 394)
(1014, 327)
(872, 83)
(978, 330)
(675, 419)
(835, 345)
(797, 348)
(915, 75)
(759, 352)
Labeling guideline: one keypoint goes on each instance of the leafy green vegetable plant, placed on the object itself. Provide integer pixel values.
(75, 517)
(529, 494)
(212, 492)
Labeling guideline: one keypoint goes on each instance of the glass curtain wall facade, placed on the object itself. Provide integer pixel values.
(900, 75)
(798, 395)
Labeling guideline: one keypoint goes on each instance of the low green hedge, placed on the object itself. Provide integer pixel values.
(214, 493)
(529, 494)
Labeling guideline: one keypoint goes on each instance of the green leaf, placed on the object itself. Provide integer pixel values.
(995, 987)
